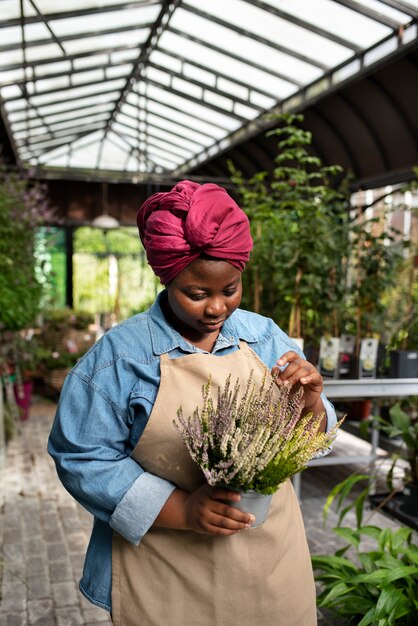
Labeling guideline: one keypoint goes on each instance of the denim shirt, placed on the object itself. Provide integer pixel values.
(104, 407)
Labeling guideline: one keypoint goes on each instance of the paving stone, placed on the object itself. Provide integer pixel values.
(65, 593)
(69, 617)
(14, 597)
(61, 571)
(56, 551)
(38, 587)
(41, 612)
(96, 615)
(36, 565)
(14, 619)
(77, 542)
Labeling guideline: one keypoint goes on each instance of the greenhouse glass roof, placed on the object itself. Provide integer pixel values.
(148, 87)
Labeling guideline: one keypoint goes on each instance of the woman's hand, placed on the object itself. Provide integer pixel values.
(204, 511)
(300, 372)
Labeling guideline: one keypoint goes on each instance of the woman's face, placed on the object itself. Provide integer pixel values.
(202, 297)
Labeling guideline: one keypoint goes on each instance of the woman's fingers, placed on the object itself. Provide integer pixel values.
(211, 510)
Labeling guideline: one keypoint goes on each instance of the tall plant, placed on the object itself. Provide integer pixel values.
(22, 207)
(376, 261)
(299, 219)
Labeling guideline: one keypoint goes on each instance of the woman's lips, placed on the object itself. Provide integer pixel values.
(213, 324)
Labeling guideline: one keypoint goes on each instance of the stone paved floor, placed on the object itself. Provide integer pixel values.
(44, 532)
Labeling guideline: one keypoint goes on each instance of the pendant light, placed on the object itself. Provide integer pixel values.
(105, 221)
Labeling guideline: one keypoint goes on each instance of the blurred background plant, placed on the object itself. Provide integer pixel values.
(23, 206)
(373, 578)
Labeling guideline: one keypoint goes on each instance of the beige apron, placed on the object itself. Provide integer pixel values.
(257, 577)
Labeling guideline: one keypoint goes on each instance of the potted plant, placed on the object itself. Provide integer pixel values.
(300, 225)
(368, 586)
(401, 424)
(254, 442)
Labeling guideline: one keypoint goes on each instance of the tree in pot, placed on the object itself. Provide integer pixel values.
(299, 220)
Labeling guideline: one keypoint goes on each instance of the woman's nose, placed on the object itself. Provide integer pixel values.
(215, 307)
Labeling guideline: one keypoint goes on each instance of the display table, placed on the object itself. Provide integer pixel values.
(375, 389)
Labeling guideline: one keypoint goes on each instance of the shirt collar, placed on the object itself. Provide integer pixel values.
(165, 338)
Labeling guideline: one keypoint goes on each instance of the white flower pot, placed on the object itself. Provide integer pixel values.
(256, 503)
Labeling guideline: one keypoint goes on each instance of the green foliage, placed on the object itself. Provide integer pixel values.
(22, 207)
(376, 262)
(63, 318)
(299, 222)
(59, 360)
(377, 587)
(132, 285)
(403, 424)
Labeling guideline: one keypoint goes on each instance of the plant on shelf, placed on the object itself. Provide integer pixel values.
(377, 586)
(299, 221)
(254, 442)
(402, 425)
(376, 259)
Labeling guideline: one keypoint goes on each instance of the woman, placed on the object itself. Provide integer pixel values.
(165, 547)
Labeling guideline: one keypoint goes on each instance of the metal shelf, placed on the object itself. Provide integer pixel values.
(374, 388)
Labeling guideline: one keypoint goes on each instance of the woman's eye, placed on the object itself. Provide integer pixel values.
(197, 296)
(230, 292)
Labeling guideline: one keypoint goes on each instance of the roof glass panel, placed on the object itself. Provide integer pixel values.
(152, 86)
(271, 28)
(336, 19)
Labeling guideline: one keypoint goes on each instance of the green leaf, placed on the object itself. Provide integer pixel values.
(389, 600)
(368, 618)
(328, 562)
(404, 571)
(336, 591)
(349, 535)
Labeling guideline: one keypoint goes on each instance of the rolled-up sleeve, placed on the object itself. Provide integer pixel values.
(88, 442)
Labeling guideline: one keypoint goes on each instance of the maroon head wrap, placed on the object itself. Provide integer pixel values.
(177, 226)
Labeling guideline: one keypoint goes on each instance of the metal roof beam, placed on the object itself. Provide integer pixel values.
(22, 110)
(35, 78)
(236, 57)
(67, 132)
(153, 125)
(45, 21)
(153, 136)
(51, 126)
(167, 119)
(87, 35)
(75, 115)
(404, 7)
(193, 116)
(358, 7)
(304, 24)
(46, 92)
(246, 33)
(209, 105)
(206, 87)
(42, 152)
(217, 74)
(159, 26)
(68, 57)
(63, 15)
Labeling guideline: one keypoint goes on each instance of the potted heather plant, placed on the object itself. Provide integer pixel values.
(252, 443)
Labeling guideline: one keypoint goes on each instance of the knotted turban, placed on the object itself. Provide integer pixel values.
(178, 226)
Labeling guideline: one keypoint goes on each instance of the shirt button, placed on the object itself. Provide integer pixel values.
(231, 338)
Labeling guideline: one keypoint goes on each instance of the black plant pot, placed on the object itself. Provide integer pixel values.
(403, 364)
(410, 501)
(396, 505)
